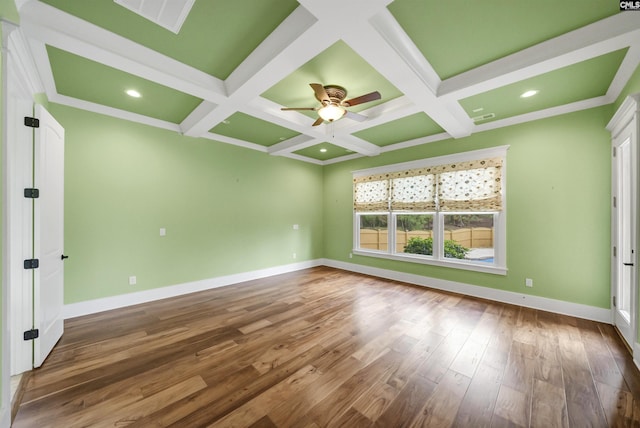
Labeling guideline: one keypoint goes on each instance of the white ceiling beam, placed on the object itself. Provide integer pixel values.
(278, 43)
(377, 44)
(337, 15)
(234, 141)
(383, 113)
(292, 44)
(546, 113)
(626, 69)
(296, 143)
(599, 38)
(197, 115)
(113, 112)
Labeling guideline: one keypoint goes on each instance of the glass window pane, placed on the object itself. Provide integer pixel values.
(469, 237)
(373, 232)
(414, 234)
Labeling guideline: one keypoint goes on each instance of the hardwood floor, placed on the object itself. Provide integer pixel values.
(324, 347)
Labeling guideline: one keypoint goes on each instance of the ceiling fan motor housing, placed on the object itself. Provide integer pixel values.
(336, 93)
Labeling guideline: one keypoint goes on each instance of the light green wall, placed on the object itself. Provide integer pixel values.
(2, 142)
(632, 87)
(9, 11)
(558, 191)
(226, 209)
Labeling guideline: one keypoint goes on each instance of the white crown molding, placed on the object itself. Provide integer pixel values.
(544, 114)
(59, 29)
(22, 60)
(233, 141)
(624, 73)
(607, 35)
(372, 32)
(624, 114)
(342, 159)
(113, 112)
(302, 158)
(416, 142)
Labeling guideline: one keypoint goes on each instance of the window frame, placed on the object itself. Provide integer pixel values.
(499, 266)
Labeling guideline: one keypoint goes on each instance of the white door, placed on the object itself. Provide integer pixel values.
(48, 291)
(624, 230)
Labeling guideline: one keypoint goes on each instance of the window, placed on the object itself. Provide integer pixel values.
(447, 211)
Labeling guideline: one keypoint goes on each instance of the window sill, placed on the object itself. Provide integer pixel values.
(466, 265)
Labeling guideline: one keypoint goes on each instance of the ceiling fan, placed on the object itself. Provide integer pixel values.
(333, 105)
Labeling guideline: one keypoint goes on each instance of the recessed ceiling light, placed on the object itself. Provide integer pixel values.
(477, 110)
(226, 122)
(323, 150)
(133, 93)
(529, 93)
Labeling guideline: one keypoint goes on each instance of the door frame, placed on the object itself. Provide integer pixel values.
(20, 84)
(623, 121)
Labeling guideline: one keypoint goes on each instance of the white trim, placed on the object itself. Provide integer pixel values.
(114, 112)
(233, 141)
(525, 300)
(599, 38)
(402, 257)
(5, 415)
(546, 113)
(636, 351)
(114, 302)
(624, 114)
(21, 85)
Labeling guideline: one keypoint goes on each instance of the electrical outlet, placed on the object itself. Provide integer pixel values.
(350, 255)
(133, 280)
(296, 227)
(163, 231)
(294, 255)
(528, 282)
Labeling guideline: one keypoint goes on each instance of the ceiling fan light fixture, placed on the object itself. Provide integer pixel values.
(331, 112)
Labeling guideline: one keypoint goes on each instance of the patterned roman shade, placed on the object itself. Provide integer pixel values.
(470, 186)
(465, 186)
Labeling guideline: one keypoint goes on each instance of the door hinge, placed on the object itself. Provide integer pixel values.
(31, 334)
(31, 264)
(614, 152)
(614, 301)
(614, 252)
(32, 193)
(31, 122)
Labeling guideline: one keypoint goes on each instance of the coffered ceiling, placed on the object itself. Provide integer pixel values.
(223, 69)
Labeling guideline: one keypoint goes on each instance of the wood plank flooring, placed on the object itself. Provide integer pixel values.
(328, 348)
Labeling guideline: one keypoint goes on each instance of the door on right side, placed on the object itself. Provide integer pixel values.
(624, 234)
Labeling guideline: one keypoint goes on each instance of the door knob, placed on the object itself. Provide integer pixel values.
(628, 264)
(62, 257)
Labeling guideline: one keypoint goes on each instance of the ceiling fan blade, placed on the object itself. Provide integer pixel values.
(298, 108)
(363, 99)
(355, 116)
(318, 121)
(321, 94)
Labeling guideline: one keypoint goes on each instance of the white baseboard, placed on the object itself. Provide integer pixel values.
(557, 306)
(5, 416)
(535, 302)
(93, 306)
(636, 352)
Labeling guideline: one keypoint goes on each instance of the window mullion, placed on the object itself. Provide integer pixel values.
(438, 236)
(392, 232)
